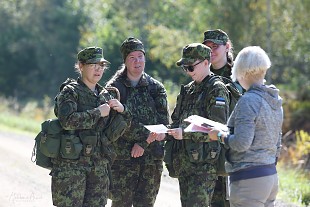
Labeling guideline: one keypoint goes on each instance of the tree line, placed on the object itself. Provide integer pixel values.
(40, 38)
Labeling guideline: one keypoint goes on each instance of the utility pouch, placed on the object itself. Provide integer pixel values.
(50, 138)
(38, 157)
(71, 146)
(157, 150)
(107, 149)
(116, 127)
(171, 159)
(220, 165)
(203, 152)
(89, 140)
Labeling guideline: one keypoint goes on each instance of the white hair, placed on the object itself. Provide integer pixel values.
(251, 62)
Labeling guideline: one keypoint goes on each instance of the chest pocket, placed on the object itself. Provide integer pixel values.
(203, 152)
(194, 104)
(142, 104)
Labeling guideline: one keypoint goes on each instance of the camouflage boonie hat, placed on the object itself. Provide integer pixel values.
(217, 36)
(91, 55)
(193, 52)
(129, 45)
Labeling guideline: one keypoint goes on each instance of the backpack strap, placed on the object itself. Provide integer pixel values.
(151, 88)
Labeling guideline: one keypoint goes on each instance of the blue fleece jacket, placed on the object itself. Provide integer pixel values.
(256, 124)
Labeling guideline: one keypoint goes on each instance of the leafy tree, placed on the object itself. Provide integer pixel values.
(39, 43)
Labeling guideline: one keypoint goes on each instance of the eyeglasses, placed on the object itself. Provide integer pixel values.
(98, 66)
(190, 68)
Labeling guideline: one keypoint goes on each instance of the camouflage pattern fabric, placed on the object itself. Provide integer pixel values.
(217, 36)
(220, 190)
(193, 52)
(77, 185)
(91, 55)
(131, 44)
(197, 190)
(195, 155)
(85, 178)
(224, 71)
(148, 108)
(132, 189)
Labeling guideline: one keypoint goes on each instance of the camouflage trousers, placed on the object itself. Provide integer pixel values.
(196, 190)
(220, 193)
(80, 186)
(135, 183)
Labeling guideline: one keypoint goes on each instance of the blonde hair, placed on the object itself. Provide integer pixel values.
(251, 62)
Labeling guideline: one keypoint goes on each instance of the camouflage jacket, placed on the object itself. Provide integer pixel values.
(148, 104)
(76, 108)
(195, 153)
(225, 71)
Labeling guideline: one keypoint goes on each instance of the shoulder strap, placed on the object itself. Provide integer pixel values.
(68, 81)
(234, 84)
(122, 90)
(151, 87)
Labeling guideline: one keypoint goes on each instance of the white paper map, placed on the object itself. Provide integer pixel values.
(160, 128)
(201, 124)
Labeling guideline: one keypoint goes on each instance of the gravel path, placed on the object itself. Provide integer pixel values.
(23, 184)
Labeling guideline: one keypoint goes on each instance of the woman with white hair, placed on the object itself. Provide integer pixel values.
(255, 133)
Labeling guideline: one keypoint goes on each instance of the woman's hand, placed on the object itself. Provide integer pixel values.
(116, 105)
(155, 137)
(137, 151)
(177, 133)
(104, 109)
(213, 134)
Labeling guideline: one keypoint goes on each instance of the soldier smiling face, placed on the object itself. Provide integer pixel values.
(135, 63)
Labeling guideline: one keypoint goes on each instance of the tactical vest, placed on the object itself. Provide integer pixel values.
(187, 156)
(54, 142)
(141, 101)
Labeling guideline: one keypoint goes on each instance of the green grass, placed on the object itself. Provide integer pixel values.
(294, 185)
(11, 122)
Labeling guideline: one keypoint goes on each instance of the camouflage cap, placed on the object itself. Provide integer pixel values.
(129, 45)
(193, 52)
(217, 36)
(91, 55)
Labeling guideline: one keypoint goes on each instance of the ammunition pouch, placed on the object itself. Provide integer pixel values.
(203, 152)
(47, 143)
(89, 140)
(70, 147)
(116, 127)
(38, 157)
(50, 137)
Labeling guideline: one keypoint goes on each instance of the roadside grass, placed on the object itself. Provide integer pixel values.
(14, 123)
(294, 185)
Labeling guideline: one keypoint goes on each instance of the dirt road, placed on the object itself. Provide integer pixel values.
(23, 184)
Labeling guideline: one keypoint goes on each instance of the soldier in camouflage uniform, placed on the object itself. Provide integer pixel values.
(222, 52)
(191, 157)
(139, 163)
(221, 64)
(80, 174)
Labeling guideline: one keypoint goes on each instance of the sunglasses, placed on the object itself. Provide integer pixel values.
(190, 68)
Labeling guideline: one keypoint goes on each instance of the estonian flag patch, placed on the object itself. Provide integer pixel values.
(219, 101)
